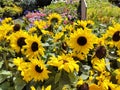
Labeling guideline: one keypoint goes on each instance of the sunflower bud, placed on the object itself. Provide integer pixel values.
(16, 27)
(84, 86)
(116, 36)
(100, 52)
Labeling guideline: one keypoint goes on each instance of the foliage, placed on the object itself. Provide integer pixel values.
(47, 54)
(9, 9)
(61, 8)
(102, 11)
(28, 4)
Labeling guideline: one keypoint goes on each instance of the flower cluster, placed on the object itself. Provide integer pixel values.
(52, 55)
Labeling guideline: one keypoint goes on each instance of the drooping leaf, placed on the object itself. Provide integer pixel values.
(57, 77)
(19, 83)
(6, 86)
(4, 72)
(1, 63)
(2, 78)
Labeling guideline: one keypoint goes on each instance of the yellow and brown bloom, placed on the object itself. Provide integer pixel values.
(33, 47)
(65, 62)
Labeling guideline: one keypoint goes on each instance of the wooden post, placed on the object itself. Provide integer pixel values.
(83, 10)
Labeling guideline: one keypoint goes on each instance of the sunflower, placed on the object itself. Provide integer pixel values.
(81, 41)
(80, 24)
(117, 72)
(65, 62)
(40, 24)
(113, 34)
(6, 20)
(94, 87)
(32, 88)
(36, 70)
(23, 67)
(33, 47)
(84, 86)
(17, 40)
(99, 65)
(16, 27)
(4, 30)
(54, 18)
(47, 88)
(18, 62)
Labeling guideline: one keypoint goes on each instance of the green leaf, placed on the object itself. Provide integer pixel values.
(2, 78)
(57, 77)
(6, 86)
(72, 77)
(4, 72)
(84, 77)
(1, 63)
(19, 83)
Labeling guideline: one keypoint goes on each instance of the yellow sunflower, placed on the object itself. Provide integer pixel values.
(117, 72)
(99, 64)
(36, 70)
(17, 40)
(39, 27)
(32, 88)
(94, 87)
(18, 62)
(23, 67)
(113, 34)
(33, 47)
(47, 88)
(65, 62)
(80, 24)
(40, 24)
(4, 30)
(16, 27)
(54, 18)
(81, 41)
(6, 20)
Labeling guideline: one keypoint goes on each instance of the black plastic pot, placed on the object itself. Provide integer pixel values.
(42, 3)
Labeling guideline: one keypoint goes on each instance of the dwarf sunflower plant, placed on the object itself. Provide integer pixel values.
(69, 56)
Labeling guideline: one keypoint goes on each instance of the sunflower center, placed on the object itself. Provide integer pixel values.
(79, 26)
(84, 86)
(34, 46)
(16, 27)
(116, 36)
(100, 52)
(21, 42)
(65, 61)
(109, 88)
(81, 40)
(38, 69)
(54, 20)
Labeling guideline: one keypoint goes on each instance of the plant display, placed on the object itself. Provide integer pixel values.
(9, 9)
(51, 49)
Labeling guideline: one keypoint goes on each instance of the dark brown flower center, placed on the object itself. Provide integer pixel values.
(83, 87)
(109, 88)
(116, 36)
(34, 46)
(16, 27)
(21, 42)
(100, 52)
(38, 69)
(54, 20)
(65, 61)
(79, 26)
(81, 41)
